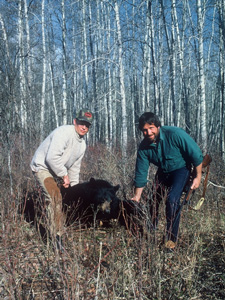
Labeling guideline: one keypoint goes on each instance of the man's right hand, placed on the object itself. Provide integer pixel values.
(135, 198)
(66, 181)
(137, 194)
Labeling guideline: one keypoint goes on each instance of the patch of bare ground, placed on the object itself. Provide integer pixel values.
(211, 267)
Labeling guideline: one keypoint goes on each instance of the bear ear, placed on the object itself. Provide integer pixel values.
(116, 187)
(92, 180)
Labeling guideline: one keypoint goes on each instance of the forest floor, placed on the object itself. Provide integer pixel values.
(111, 263)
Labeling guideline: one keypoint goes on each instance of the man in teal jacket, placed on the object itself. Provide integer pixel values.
(173, 151)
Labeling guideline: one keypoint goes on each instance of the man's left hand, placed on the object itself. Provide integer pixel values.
(66, 181)
(197, 179)
(196, 183)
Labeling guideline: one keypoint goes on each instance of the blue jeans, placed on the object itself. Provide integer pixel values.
(173, 183)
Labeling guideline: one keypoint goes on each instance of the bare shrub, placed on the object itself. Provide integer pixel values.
(112, 263)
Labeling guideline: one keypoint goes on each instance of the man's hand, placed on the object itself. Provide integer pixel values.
(197, 179)
(196, 183)
(137, 194)
(135, 198)
(66, 181)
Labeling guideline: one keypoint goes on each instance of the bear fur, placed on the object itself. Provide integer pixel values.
(87, 202)
(97, 200)
(93, 199)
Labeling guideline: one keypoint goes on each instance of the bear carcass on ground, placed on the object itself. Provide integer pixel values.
(93, 199)
(87, 202)
(97, 200)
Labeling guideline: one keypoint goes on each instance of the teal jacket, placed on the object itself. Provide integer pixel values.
(174, 149)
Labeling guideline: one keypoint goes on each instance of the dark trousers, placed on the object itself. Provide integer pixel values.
(169, 186)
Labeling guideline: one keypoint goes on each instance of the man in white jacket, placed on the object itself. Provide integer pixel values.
(59, 156)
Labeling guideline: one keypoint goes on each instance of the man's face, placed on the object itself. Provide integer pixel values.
(81, 127)
(150, 131)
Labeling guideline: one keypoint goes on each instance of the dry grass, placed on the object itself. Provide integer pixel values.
(111, 263)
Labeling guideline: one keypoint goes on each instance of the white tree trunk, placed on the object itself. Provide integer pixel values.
(23, 112)
(122, 85)
(180, 55)
(96, 42)
(85, 50)
(42, 120)
(173, 74)
(64, 88)
(154, 60)
(161, 71)
(201, 77)
(134, 72)
(28, 50)
(75, 75)
(5, 39)
(8, 131)
(110, 95)
(221, 6)
(53, 93)
(145, 102)
(170, 101)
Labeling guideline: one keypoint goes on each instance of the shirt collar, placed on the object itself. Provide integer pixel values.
(161, 134)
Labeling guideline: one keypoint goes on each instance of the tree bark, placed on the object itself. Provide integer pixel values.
(64, 79)
(23, 112)
(44, 67)
(122, 83)
(202, 97)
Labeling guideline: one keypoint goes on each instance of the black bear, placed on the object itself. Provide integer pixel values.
(93, 199)
(97, 200)
(90, 201)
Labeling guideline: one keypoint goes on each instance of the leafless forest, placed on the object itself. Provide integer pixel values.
(118, 58)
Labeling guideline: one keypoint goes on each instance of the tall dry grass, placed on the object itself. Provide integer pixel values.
(111, 263)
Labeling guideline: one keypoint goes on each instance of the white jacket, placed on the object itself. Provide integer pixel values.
(61, 153)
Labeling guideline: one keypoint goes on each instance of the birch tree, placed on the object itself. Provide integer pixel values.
(221, 7)
(201, 87)
(176, 31)
(154, 64)
(110, 92)
(53, 93)
(85, 49)
(146, 64)
(185, 80)
(94, 40)
(6, 48)
(28, 68)
(118, 57)
(6, 125)
(134, 81)
(23, 112)
(44, 62)
(64, 87)
(121, 82)
(52, 67)
(173, 71)
(171, 107)
(74, 71)
(160, 69)
(28, 49)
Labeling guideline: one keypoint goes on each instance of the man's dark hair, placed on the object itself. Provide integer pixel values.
(150, 118)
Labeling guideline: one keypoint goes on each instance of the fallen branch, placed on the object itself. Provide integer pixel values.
(216, 185)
